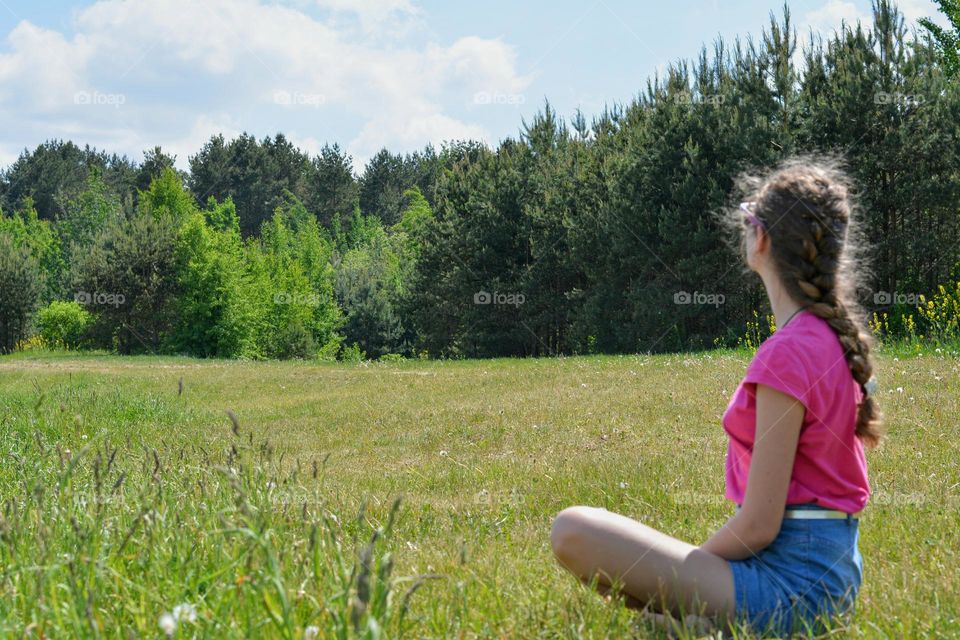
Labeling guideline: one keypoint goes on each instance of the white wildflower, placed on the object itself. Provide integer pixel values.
(185, 612)
(168, 624)
(311, 633)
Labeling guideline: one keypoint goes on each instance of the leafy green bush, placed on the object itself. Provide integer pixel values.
(293, 280)
(27, 230)
(295, 342)
(64, 324)
(216, 311)
(353, 354)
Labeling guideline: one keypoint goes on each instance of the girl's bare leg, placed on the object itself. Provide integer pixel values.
(646, 565)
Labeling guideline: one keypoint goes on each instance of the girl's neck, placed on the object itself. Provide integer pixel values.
(783, 306)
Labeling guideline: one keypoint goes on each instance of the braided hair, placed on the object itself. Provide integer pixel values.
(806, 208)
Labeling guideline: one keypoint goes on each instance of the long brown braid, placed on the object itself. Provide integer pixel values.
(806, 208)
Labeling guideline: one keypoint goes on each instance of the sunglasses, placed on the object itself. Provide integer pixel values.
(749, 216)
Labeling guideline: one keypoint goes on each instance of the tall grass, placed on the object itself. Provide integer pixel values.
(125, 540)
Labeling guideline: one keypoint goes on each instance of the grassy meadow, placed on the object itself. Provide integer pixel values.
(135, 506)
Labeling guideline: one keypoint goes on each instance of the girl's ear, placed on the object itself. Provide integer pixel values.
(762, 242)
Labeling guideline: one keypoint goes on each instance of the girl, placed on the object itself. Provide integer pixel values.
(797, 425)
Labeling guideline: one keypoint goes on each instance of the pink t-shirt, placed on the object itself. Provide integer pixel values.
(804, 359)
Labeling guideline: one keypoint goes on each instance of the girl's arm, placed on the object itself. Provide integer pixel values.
(757, 523)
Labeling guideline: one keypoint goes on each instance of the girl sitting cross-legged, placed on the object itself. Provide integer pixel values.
(787, 560)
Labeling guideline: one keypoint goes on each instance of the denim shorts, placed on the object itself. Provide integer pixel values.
(810, 572)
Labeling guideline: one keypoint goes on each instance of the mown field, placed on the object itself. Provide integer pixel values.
(127, 490)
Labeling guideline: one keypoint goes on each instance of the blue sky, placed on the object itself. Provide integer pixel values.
(125, 75)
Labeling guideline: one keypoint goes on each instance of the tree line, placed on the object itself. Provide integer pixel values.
(571, 237)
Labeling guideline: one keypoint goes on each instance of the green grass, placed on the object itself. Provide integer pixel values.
(123, 499)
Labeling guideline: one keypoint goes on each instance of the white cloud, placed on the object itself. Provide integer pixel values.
(824, 22)
(409, 131)
(828, 18)
(832, 15)
(371, 7)
(173, 72)
(218, 35)
(201, 130)
(913, 10)
(375, 15)
(43, 70)
(481, 62)
(7, 156)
